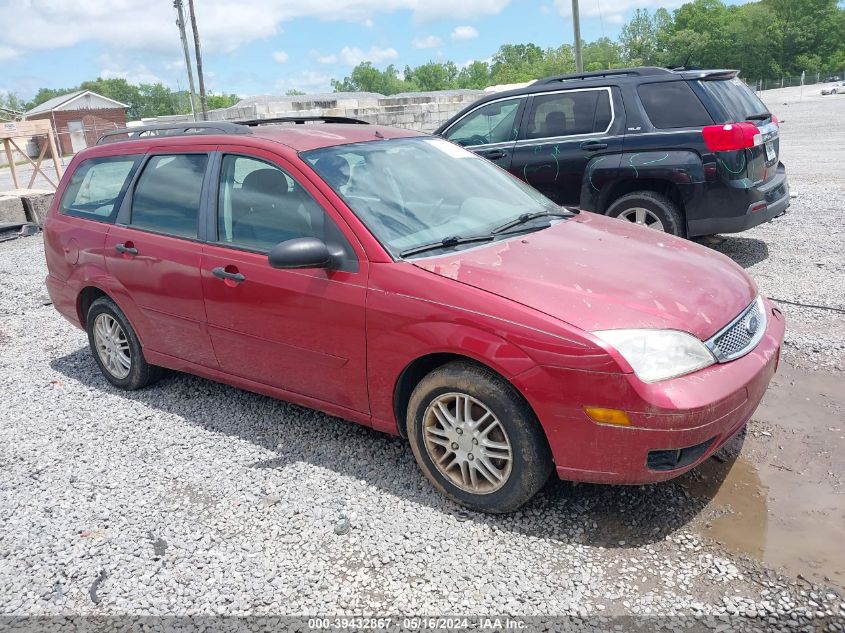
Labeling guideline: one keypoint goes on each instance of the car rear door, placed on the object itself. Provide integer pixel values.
(153, 250)
(490, 130)
(298, 330)
(563, 132)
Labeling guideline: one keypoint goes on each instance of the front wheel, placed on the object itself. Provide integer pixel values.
(476, 439)
(649, 209)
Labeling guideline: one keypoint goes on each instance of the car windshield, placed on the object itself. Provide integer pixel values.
(411, 192)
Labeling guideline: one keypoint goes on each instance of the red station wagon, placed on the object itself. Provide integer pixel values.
(401, 282)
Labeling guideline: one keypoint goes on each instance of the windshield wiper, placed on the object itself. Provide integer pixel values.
(758, 116)
(527, 217)
(446, 242)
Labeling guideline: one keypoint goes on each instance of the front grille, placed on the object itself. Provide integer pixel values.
(741, 335)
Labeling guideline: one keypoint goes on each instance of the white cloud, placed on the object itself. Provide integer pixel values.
(430, 41)
(149, 26)
(307, 81)
(325, 59)
(134, 74)
(612, 11)
(464, 33)
(280, 56)
(352, 56)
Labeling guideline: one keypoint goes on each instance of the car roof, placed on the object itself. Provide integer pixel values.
(615, 76)
(299, 138)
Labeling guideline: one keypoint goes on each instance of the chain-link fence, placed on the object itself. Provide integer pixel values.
(796, 80)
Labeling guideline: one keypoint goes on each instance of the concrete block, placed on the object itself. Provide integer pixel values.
(36, 206)
(11, 210)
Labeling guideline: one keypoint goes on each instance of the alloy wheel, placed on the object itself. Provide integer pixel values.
(643, 217)
(467, 443)
(112, 346)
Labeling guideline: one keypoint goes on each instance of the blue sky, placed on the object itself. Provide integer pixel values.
(269, 46)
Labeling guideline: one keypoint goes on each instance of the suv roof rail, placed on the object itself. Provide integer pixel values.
(301, 120)
(175, 129)
(642, 71)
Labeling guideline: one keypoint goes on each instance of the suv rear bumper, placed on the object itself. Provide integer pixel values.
(758, 205)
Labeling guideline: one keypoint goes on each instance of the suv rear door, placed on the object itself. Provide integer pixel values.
(562, 132)
(153, 250)
(490, 130)
(729, 100)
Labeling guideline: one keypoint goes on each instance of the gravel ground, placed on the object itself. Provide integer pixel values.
(195, 498)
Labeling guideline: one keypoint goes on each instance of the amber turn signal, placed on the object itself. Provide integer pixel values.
(608, 416)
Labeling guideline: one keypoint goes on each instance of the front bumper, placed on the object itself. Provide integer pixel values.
(701, 411)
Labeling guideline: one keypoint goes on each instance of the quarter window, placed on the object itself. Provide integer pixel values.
(97, 188)
(493, 123)
(569, 113)
(673, 105)
(259, 206)
(167, 195)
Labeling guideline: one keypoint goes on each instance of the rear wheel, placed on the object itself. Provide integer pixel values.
(649, 209)
(476, 439)
(116, 347)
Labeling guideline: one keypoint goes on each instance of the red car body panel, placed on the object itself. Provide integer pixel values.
(341, 341)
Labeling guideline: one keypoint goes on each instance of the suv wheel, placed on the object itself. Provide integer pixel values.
(476, 440)
(116, 347)
(649, 209)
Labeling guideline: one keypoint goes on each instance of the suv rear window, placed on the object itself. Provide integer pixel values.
(736, 100)
(97, 187)
(673, 105)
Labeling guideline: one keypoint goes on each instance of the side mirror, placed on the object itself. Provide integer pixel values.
(303, 252)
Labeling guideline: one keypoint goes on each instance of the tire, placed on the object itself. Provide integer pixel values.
(111, 338)
(656, 206)
(512, 481)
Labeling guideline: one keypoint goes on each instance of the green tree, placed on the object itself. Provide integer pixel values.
(517, 62)
(432, 76)
(366, 77)
(602, 54)
(476, 76)
(45, 94)
(294, 93)
(216, 102)
(642, 37)
(11, 101)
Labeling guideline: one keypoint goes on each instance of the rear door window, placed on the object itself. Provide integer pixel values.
(735, 101)
(569, 113)
(167, 194)
(492, 123)
(97, 187)
(672, 105)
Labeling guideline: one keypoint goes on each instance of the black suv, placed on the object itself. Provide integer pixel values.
(689, 152)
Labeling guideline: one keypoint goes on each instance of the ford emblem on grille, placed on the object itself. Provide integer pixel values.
(752, 324)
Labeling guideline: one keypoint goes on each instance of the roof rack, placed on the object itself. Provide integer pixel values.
(301, 120)
(643, 71)
(189, 128)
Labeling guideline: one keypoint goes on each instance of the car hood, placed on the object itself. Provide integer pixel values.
(598, 273)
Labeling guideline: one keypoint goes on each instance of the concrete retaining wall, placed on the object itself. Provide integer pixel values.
(423, 111)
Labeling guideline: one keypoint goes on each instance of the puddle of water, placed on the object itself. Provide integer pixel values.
(782, 500)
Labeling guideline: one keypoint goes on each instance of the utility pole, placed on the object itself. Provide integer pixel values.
(180, 22)
(576, 23)
(198, 54)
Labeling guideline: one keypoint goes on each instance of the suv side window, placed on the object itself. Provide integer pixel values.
(97, 188)
(673, 105)
(167, 194)
(569, 113)
(259, 206)
(492, 123)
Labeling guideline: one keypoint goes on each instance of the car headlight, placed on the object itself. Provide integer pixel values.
(659, 354)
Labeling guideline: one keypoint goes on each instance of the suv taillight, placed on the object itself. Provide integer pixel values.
(731, 137)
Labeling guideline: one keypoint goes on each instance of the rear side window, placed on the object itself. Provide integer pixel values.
(569, 113)
(673, 105)
(97, 187)
(735, 100)
(167, 195)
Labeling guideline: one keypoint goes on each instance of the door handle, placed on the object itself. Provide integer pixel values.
(495, 154)
(593, 146)
(126, 249)
(222, 273)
